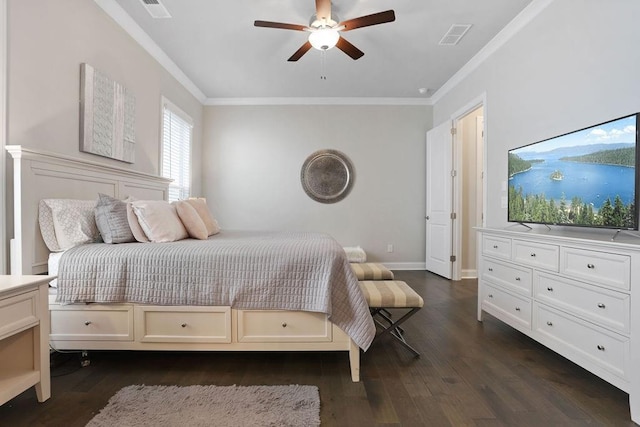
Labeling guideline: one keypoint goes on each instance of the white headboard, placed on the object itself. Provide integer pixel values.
(41, 175)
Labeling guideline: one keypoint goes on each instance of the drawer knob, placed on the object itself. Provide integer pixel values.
(490, 269)
(591, 266)
(495, 246)
(517, 279)
(549, 288)
(601, 305)
(284, 325)
(87, 322)
(533, 254)
(184, 325)
(517, 308)
(600, 347)
(490, 295)
(549, 323)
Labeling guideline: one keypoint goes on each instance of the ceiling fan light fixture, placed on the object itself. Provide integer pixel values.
(324, 38)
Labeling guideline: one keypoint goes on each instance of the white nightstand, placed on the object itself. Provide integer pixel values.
(24, 336)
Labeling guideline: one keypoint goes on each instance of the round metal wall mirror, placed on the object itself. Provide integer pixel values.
(327, 176)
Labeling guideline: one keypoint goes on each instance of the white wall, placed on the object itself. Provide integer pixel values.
(252, 161)
(576, 64)
(47, 42)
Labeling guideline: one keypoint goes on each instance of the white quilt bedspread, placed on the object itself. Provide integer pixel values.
(245, 270)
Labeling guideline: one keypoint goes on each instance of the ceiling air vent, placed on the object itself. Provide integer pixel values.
(455, 33)
(156, 9)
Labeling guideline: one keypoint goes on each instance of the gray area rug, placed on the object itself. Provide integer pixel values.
(282, 405)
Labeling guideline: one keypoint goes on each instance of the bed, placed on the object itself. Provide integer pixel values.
(237, 321)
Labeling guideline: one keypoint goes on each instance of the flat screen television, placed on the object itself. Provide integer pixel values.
(583, 178)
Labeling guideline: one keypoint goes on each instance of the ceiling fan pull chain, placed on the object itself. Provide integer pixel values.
(323, 62)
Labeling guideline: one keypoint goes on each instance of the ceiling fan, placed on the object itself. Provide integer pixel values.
(325, 30)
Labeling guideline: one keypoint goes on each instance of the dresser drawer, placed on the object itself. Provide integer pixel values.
(183, 324)
(536, 254)
(282, 326)
(496, 246)
(513, 309)
(510, 276)
(598, 267)
(17, 313)
(573, 337)
(605, 307)
(94, 322)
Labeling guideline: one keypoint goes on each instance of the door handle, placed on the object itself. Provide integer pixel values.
(427, 216)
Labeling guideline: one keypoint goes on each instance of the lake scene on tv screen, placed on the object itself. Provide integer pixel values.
(584, 178)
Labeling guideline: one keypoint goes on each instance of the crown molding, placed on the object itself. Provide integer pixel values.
(512, 28)
(318, 101)
(122, 18)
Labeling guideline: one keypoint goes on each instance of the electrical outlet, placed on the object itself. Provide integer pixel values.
(390, 248)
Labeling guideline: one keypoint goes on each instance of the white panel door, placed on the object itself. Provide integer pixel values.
(439, 200)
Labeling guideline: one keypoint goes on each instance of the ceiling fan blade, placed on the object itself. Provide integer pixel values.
(303, 49)
(323, 9)
(349, 49)
(269, 24)
(365, 21)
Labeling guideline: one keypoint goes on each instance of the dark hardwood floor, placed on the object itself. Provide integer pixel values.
(470, 373)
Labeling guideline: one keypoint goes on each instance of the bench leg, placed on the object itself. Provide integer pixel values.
(393, 327)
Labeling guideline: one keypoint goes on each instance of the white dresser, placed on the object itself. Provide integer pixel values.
(572, 292)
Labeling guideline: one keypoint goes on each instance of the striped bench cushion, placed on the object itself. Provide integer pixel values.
(371, 271)
(390, 294)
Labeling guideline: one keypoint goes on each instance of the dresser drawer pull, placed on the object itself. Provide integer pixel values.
(490, 269)
(549, 288)
(284, 325)
(184, 325)
(495, 246)
(601, 305)
(517, 308)
(600, 347)
(87, 322)
(490, 295)
(533, 254)
(549, 323)
(517, 279)
(591, 266)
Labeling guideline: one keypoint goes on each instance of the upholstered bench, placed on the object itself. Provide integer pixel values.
(383, 295)
(371, 271)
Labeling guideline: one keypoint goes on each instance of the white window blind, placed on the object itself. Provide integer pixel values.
(176, 150)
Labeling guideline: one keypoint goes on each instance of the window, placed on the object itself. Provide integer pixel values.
(177, 128)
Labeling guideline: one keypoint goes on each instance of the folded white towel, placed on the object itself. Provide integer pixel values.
(355, 254)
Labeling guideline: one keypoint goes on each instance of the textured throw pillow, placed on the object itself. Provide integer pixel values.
(111, 219)
(134, 224)
(191, 220)
(74, 221)
(201, 207)
(45, 218)
(159, 220)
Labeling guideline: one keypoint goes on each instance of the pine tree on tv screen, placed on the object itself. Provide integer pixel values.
(584, 178)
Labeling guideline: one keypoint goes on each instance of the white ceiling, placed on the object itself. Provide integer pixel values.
(216, 46)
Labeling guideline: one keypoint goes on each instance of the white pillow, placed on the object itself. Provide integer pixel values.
(45, 218)
(134, 224)
(200, 205)
(74, 222)
(159, 220)
(191, 220)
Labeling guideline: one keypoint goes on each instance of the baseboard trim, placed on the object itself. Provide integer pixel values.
(404, 265)
(469, 274)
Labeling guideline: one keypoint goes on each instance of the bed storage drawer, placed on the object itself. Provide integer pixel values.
(183, 324)
(93, 322)
(282, 326)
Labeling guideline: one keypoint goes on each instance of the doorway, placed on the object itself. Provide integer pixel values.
(468, 189)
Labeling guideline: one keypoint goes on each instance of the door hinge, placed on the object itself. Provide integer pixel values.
(454, 173)
(453, 131)
(453, 215)
(452, 258)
